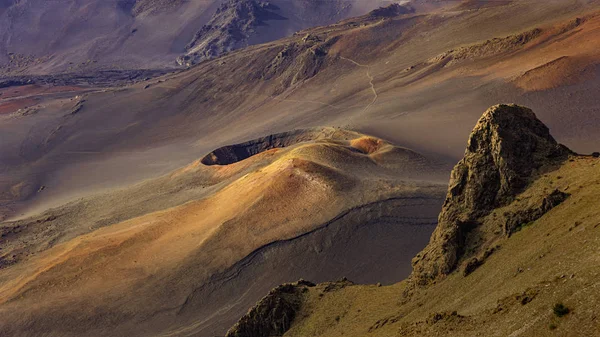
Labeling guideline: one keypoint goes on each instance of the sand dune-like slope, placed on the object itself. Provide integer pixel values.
(142, 261)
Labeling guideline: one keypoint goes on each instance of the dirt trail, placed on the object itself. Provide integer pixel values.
(371, 78)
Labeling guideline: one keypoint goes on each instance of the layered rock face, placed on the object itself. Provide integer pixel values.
(507, 147)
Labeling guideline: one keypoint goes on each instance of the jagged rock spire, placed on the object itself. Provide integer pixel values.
(506, 148)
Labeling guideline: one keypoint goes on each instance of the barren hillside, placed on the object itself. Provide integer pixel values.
(46, 37)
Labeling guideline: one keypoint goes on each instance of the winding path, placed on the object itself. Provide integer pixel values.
(371, 78)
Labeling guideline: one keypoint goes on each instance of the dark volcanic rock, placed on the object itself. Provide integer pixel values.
(507, 145)
(476, 262)
(14, 82)
(101, 78)
(391, 11)
(234, 153)
(505, 150)
(273, 315)
(514, 221)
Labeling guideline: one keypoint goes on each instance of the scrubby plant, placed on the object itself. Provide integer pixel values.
(560, 310)
(523, 225)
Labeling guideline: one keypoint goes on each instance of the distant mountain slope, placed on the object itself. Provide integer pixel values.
(39, 36)
(372, 73)
(239, 23)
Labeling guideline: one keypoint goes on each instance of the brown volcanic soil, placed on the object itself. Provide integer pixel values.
(28, 96)
(14, 105)
(565, 70)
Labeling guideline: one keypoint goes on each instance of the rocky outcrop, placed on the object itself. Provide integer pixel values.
(14, 82)
(492, 47)
(391, 11)
(149, 7)
(241, 23)
(506, 149)
(230, 28)
(273, 315)
(514, 221)
(299, 61)
(101, 78)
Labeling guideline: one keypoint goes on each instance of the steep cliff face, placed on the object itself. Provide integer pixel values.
(507, 148)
